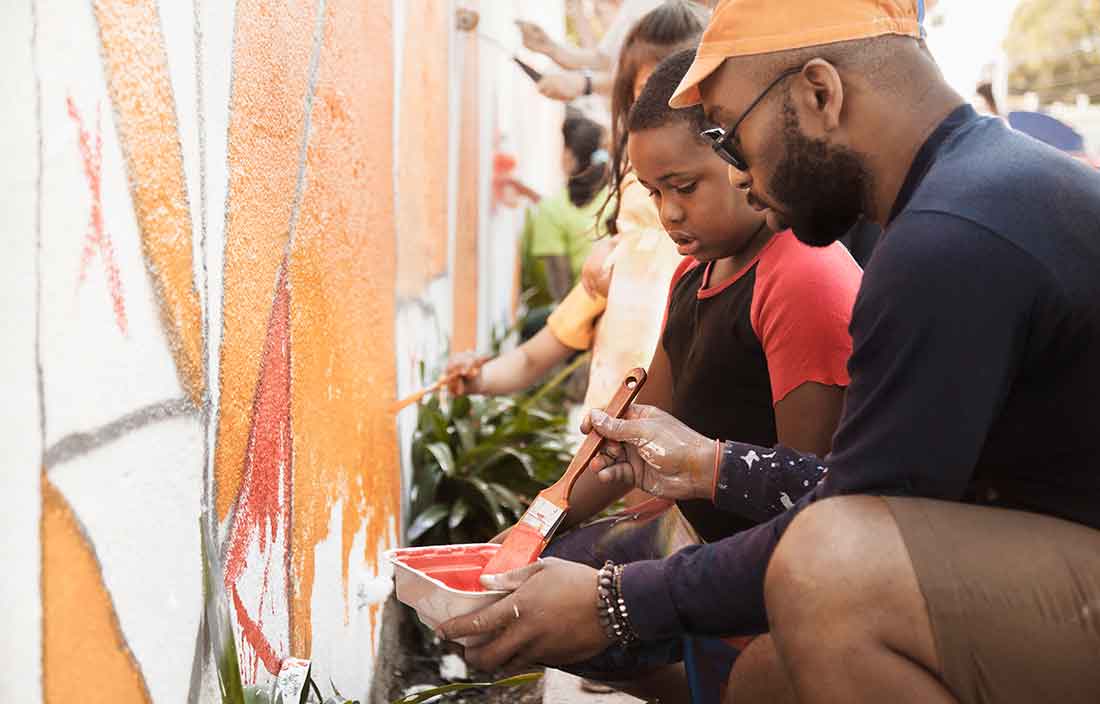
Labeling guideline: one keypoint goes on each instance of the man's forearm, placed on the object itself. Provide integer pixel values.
(759, 483)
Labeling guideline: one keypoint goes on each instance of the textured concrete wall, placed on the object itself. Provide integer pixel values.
(232, 231)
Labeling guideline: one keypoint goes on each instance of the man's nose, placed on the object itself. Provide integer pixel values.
(740, 179)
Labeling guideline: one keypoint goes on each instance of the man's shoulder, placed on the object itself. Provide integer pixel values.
(1011, 184)
(932, 239)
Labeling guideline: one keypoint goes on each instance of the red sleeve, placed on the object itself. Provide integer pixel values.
(801, 308)
(686, 264)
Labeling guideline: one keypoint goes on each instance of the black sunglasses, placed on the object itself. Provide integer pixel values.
(722, 139)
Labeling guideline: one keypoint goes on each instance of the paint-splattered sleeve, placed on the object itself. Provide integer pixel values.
(760, 483)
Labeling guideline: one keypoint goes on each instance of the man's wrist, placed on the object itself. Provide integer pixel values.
(704, 468)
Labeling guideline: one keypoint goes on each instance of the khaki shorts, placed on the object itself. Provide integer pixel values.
(1014, 600)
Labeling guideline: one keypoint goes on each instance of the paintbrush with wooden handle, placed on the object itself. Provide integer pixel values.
(439, 384)
(528, 538)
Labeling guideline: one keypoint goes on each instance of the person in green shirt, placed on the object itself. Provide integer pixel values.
(560, 229)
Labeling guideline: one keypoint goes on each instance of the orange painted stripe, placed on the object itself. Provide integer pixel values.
(84, 654)
(270, 80)
(136, 65)
(469, 154)
(422, 167)
(342, 280)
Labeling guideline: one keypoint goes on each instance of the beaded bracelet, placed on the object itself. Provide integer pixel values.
(624, 616)
(611, 606)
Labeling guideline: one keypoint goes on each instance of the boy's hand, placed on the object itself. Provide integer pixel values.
(653, 451)
(466, 372)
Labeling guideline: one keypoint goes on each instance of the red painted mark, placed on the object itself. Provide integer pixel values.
(97, 237)
(253, 633)
(263, 506)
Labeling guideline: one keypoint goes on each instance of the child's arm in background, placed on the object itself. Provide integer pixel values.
(512, 371)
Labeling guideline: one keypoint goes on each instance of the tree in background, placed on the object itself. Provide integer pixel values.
(1053, 48)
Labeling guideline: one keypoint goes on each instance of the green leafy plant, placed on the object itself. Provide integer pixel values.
(477, 461)
(425, 695)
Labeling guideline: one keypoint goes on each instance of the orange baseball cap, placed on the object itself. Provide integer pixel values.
(745, 27)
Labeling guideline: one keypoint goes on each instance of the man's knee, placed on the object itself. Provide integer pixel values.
(842, 568)
(839, 549)
(826, 539)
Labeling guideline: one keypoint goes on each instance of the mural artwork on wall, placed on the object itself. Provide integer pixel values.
(214, 331)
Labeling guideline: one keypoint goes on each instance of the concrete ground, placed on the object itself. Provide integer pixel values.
(562, 688)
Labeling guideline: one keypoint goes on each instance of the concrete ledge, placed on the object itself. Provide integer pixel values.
(562, 688)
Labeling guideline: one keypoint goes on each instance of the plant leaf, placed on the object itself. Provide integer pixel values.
(427, 694)
(458, 513)
(525, 460)
(465, 435)
(460, 407)
(255, 694)
(509, 499)
(491, 501)
(443, 455)
(426, 521)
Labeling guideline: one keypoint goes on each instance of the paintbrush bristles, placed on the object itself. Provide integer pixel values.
(522, 547)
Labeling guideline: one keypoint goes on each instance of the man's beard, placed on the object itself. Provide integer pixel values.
(819, 187)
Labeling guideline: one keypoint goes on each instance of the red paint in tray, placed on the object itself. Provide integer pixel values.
(457, 566)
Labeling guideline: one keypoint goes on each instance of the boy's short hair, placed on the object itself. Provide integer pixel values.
(651, 109)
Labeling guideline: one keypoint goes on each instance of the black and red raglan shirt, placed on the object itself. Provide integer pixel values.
(739, 346)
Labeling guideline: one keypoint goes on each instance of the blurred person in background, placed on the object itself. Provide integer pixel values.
(587, 71)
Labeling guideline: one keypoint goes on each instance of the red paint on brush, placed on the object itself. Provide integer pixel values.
(524, 547)
(97, 237)
(527, 538)
(263, 506)
(458, 567)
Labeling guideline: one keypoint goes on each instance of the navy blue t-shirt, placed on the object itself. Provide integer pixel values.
(975, 371)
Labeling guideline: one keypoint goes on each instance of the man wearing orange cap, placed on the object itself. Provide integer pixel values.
(948, 547)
